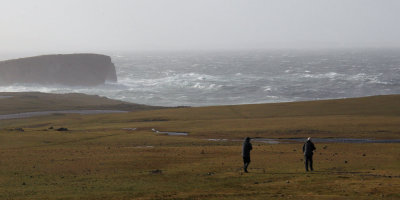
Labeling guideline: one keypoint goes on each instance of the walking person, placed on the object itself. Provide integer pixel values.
(247, 147)
(308, 149)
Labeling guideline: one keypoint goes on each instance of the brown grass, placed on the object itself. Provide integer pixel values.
(97, 159)
(34, 101)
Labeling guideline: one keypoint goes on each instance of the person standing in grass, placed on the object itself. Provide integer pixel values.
(247, 147)
(308, 149)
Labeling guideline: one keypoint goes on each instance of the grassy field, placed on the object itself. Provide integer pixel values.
(18, 102)
(99, 158)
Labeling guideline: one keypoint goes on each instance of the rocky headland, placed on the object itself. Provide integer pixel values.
(61, 69)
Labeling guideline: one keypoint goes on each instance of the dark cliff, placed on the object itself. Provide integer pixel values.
(63, 69)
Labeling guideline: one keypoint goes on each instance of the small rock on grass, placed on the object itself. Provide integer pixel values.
(157, 171)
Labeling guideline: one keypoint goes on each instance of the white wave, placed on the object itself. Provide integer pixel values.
(184, 80)
(271, 97)
(360, 77)
(367, 78)
(267, 88)
(330, 75)
(206, 86)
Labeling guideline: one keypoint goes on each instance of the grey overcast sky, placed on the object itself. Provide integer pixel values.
(120, 25)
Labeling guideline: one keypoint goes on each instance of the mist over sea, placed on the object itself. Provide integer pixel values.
(243, 77)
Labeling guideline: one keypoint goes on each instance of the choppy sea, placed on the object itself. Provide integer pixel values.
(243, 77)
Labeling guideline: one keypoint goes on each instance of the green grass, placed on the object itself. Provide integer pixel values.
(97, 159)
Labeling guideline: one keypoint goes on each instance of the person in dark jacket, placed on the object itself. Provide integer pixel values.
(247, 147)
(308, 149)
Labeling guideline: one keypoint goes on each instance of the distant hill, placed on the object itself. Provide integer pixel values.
(366, 117)
(62, 69)
(384, 105)
(17, 102)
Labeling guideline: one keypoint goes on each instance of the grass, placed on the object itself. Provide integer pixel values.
(19, 102)
(98, 159)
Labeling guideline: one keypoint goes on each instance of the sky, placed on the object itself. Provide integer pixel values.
(143, 25)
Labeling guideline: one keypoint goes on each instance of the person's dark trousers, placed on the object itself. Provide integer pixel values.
(308, 162)
(246, 162)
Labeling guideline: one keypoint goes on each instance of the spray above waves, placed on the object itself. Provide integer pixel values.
(233, 78)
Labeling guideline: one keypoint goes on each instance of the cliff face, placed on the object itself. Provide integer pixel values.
(68, 69)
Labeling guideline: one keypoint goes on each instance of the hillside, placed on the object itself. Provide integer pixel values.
(18, 102)
(367, 117)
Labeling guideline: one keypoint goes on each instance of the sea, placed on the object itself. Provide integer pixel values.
(205, 78)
